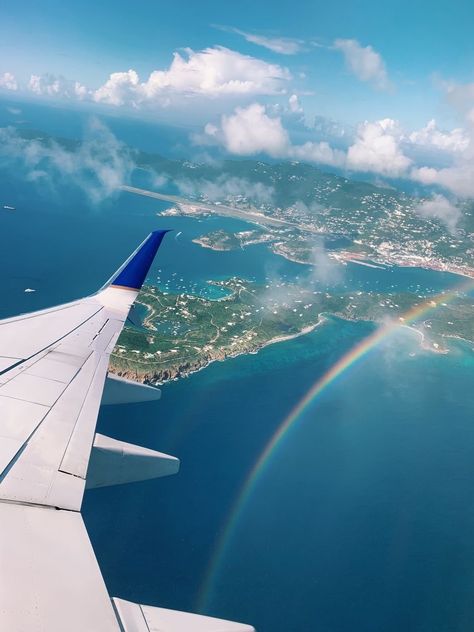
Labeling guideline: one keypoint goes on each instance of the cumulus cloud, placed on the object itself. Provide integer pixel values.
(56, 86)
(439, 207)
(430, 136)
(251, 130)
(211, 72)
(120, 88)
(459, 178)
(377, 148)
(456, 174)
(225, 188)
(282, 45)
(98, 166)
(364, 62)
(319, 152)
(294, 104)
(8, 81)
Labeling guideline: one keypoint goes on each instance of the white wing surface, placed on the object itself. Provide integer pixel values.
(53, 368)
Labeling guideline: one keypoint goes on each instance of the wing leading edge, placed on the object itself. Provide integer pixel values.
(53, 368)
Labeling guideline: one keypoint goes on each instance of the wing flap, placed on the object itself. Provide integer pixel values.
(31, 478)
(50, 577)
(119, 390)
(18, 419)
(68, 380)
(137, 618)
(76, 457)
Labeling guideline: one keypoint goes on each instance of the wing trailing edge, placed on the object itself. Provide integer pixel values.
(119, 390)
(138, 618)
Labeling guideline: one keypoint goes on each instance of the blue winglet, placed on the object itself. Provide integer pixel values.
(133, 272)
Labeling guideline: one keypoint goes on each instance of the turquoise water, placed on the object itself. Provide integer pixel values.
(363, 519)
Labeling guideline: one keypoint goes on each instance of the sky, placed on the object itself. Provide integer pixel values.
(385, 88)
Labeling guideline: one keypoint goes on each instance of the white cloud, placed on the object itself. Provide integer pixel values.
(431, 137)
(98, 166)
(325, 270)
(294, 104)
(439, 207)
(282, 45)
(251, 131)
(364, 62)
(459, 178)
(461, 97)
(212, 72)
(8, 81)
(319, 152)
(56, 86)
(120, 88)
(377, 148)
(225, 188)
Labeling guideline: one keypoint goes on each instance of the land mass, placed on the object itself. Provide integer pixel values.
(181, 333)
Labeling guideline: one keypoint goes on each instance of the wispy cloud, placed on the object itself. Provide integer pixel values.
(8, 81)
(325, 271)
(364, 62)
(97, 166)
(281, 45)
(439, 207)
(225, 189)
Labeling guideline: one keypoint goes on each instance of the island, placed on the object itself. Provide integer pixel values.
(183, 333)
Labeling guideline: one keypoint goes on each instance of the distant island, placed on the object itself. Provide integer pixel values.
(304, 205)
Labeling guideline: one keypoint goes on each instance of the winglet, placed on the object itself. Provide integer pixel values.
(132, 273)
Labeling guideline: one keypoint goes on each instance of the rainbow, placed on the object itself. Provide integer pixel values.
(354, 355)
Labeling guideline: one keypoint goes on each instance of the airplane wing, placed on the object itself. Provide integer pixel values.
(53, 369)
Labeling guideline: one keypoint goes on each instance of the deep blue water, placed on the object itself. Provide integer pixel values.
(363, 519)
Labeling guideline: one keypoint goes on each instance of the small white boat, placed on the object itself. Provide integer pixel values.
(8, 208)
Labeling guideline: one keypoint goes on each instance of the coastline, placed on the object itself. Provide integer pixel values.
(204, 244)
(178, 373)
(158, 379)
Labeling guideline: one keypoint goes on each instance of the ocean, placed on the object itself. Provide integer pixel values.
(362, 516)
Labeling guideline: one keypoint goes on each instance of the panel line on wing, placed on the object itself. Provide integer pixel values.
(26, 440)
(56, 341)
